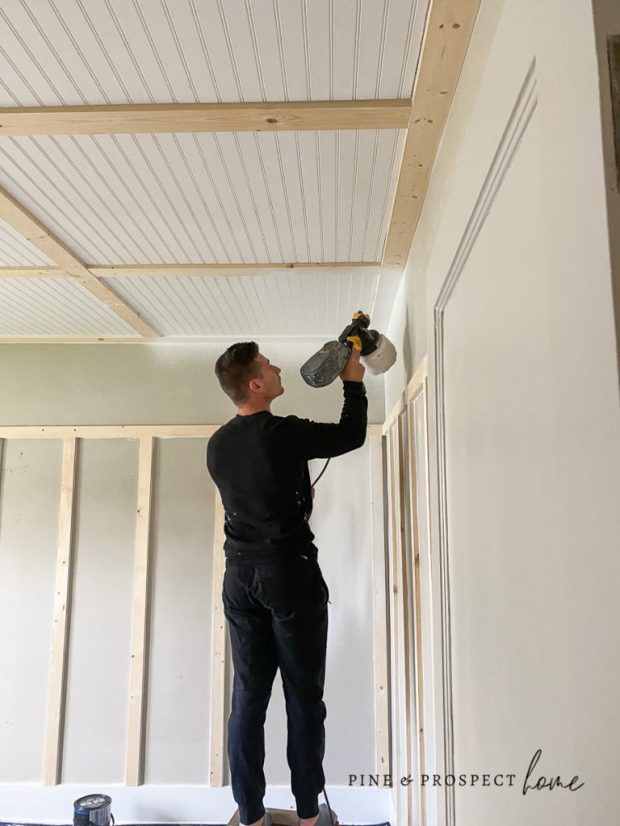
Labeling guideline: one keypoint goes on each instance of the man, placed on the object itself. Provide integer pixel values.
(275, 597)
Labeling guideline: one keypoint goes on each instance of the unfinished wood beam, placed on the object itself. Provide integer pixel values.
(448, 29)
(185, 270)
(56, 693)
(111, 431)
(76, 339)
(205, 117)
(31, 272)
(219, 655)
(12, 213)
(140, 618)
(121, 431)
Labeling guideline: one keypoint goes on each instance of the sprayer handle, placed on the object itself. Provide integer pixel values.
(353, 369)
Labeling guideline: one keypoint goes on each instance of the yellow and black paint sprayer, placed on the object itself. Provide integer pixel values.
(377, 353)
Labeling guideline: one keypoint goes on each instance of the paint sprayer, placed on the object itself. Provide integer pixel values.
(377, 353)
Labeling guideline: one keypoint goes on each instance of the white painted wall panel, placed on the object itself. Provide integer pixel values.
(505, 466)
(54, 307)
(95, 734)
(179, 671)
(29, 494)
(71, 52)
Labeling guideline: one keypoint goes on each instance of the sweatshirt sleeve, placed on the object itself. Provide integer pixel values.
(315, 440)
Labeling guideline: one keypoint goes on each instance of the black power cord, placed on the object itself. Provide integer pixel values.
(321, 473)
(329, 808)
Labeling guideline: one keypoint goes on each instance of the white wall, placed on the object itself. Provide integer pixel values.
(522, 379)
(149, 384)
(607, 22)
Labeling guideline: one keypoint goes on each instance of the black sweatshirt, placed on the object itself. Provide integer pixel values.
(259, 464)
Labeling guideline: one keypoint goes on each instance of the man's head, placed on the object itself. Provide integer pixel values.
(247, 377)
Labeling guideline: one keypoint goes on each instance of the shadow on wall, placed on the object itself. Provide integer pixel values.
(407, 353)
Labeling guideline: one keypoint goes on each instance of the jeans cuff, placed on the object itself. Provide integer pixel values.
(250, 814)
(308, 807)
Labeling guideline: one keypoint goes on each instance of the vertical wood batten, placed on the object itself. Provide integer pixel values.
(394, 598)
(220, 655)
(406, 616)
(140, 617)
(418, 743)
(380, 629)
(56, 695)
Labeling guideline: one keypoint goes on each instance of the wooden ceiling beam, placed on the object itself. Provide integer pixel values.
(184, 270)
(12, 213)
(446, 36)
(205, 117)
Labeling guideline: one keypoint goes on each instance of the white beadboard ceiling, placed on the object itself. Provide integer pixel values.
(55, 307)
(210, 197)
(72, 52)
(312, 301)
(213, 198)
(16, 251)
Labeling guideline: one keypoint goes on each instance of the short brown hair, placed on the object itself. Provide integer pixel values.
(236, 367)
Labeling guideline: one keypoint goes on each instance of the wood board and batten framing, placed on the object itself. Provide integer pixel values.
(141, 600)
(410, 609)
(145, 520)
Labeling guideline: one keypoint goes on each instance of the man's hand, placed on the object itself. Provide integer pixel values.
(353, 369)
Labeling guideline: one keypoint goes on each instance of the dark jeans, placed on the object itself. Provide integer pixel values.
(277, 616)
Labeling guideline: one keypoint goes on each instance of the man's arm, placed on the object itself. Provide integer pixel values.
(314, 440)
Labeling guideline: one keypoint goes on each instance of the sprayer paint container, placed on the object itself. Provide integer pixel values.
(93, 809)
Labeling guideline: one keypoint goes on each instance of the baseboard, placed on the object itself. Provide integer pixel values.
(31, 803)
